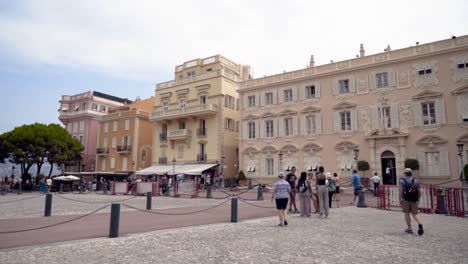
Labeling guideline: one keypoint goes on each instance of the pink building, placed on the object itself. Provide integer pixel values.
(80, 114)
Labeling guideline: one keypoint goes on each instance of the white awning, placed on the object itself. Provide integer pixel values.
(188, 169)
(194, 169)
(156, 169)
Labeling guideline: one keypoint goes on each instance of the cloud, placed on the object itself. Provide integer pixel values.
(145, 40)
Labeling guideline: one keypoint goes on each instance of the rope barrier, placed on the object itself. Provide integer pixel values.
(56, 224)
(188, 213)
(80, 201)
(256, 205)
(21, 199)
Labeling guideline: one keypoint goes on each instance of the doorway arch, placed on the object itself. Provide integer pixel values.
(388, 167)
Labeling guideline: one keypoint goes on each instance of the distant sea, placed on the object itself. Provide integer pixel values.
(6, 169)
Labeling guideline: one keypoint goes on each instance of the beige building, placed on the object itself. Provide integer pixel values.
(124, 139)
(395, 105)
(196, 118)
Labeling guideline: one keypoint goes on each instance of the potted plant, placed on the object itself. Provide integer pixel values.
(413, 164)
(364, 166)
(242, 178)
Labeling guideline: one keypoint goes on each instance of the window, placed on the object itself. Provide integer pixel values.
(143, 155)
(126, 141)
(182, 103)
(102, 108)
(229, 124)
(462, 64)
(85, 106)
(127, 124)
(428, 112)
(112, 163)
(270, 167)
(77, 108)
(81, 139)
(203, 99)
(433, 163)
(251, 127)
(191, 74)
(424, 70)
(103, 164)
(114, 142)
(288, 126)
(106, 127)
(385, 117)
(202, 153)
(180, 154)
(165, 106)
(343, 86)
(268, 98)
(382, 79)
(114, 126)
(104, 142)
(229, 101)
(82, 126)
(237, 104)
(287, 95)
(182, 125)
(237, 126)
(311, 127)
(251, 100)
(94, 107)
(269, 128)
(345, 118)
(310, 91)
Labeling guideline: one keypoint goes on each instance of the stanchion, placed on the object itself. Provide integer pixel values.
(208, 192)
(114, 220)
(104, 187)
(362, 199)
(48, 205)
(60, 188)
(250, 184)
(168, 191)
(234, 210)
(149, 197)
(441, 208)
(260, 193)
(19, 189)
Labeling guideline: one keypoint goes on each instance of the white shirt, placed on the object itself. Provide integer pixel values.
(375, 179)
(49, 182)
(387, 170)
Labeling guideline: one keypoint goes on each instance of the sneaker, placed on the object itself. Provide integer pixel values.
(285, 222)
(409, 231)
(420, 230)
(296, 211)
(280, 224)
(290, 210)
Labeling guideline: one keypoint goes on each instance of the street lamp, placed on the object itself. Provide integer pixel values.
(460, 154)
(280, 155)
(173, 166)
(356, 155)
(13, 171)
(222, 171)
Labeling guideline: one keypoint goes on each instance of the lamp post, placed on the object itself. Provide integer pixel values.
(173, 166)
(356, 155)
(280, 156)
(222, 171)
(460, 154)
(13, 171)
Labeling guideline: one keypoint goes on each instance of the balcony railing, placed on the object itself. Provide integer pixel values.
(163, 137)
(163, 160)
(201, 157)
(124, 148)
(179, 134)
(102, 151)
(201, 132)
(197, 110)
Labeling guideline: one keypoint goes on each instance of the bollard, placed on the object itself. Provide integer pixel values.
(60, 188)
(208, 192)
(149, 198)
(362, 199)
(80, 188)
(250, 184)
(441, 208)
(168, 192)
(114, 220)
(104, 187)
(20, 189)
(48, 205)
(2, 190)
(260, 193)
(234, 210)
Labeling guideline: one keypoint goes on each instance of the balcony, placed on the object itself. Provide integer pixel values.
(124, 148)
(163, 137)
(179, 134)
(198, 110)
(102, 151)
(201, 157)
(163, 160)
(201, 132)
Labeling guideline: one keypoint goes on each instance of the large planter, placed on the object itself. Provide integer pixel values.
(242, 183)
(365, 182)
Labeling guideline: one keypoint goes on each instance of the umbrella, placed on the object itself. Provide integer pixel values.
(72, 178)
(61, 178)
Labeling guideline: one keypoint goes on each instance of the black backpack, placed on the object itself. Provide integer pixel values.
(410, 192)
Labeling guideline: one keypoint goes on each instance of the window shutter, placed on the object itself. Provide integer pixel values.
(352, 85)
(440, 111)
(261, 99)
(281, 126)
(129, 142)
(257, 128)
(335, 87)
(417, 114)
(263, 169)
(275, 97)
(303, 124)
(372, 80)
(318, 119)
(294, 94)
(295, 126)
(444, 163)
(394, 115)
(354, 120)
(281, 96)
(336, 121)
(245, 130)
(422, 163)
(464, 101)
(263, 130)
(276, 127)
(391, 79)
(317, 90)
(244, 102)
(374, 114)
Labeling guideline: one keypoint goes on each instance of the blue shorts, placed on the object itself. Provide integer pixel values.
(281, 203)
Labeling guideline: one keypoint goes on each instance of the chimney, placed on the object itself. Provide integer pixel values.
(312, 61)
(388, 48)
(362, 52)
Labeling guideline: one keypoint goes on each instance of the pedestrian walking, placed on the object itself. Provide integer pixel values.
(356, 185)
(313, 194)
(331, 188)
(304, 188)
(48, 184)
(42, 186)
(410, 194)
(281, 192)
(291, 179)
(322, 192)
(376, 180)
(337, 189)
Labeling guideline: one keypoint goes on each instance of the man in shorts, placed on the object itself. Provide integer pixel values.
(410, 194)
(356, 185)
(291, 179)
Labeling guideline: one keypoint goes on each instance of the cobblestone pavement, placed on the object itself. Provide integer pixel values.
(349, 235)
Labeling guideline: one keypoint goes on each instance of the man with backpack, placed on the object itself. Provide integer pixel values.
(409, 197)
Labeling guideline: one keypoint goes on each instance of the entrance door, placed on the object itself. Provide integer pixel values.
(388, 168)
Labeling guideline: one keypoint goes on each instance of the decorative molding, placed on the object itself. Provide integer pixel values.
(463, 138)
(345, 145)
(203, 87)
(312, 147)
(287, 112)
(364, 118)
(289, 148)
(343, 105)
(250, 150)
(182, 91)
(362, 85)
(427, 94)
(403, 80)
(310, 109)
(431, 139)
(426, 80)
(460, 90)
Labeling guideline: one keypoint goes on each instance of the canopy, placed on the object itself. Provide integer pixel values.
(189, 169)
(66, 178)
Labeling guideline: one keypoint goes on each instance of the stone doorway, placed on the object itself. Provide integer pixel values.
(388, 167)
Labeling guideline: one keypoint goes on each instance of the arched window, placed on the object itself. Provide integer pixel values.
(143, 155)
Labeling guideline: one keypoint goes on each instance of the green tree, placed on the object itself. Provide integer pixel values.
(62, 148)
(412, 164)
(363, 166)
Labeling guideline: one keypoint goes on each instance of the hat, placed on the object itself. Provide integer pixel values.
(281, 175)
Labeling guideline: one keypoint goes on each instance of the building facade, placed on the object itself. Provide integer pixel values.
(400, 104)
(125, 138)
(80, 114)
(196, 115)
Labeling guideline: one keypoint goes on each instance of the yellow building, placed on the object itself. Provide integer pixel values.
(196, 118)
(124, 138)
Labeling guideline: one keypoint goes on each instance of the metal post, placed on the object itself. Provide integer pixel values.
(48, 205)
(362, 199)
(149, 197)
(234, 210)
(250, 184)
(60, 188)
(104, 187)
(114, 220)
(260, 192)
(209, 194)
(20, 188)
(168, 192)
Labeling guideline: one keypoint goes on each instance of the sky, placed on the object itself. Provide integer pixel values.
(63, 47)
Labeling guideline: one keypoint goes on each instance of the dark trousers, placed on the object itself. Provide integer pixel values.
(376, 188)
(330, 196)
